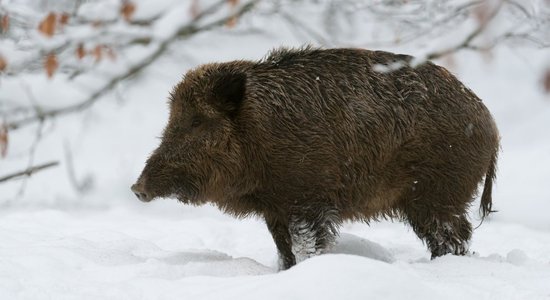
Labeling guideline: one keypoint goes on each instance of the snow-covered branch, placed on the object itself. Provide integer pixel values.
(155, 39)
(486, 15)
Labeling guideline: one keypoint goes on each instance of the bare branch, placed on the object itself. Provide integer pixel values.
(81, 186)
(466, 43)
(306, 29)
(524, 36)
(411, 19)
(520, 7)
(32, 151)
(29, 171)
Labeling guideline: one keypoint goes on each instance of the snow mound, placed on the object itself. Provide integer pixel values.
(333, 276)
(352, 244)
(127, 254)
(517, 257)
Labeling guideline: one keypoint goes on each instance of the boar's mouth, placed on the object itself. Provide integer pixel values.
(184, 191)
(149, 188)
(183, 195)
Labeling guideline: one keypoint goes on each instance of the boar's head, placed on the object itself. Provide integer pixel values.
(199, 156)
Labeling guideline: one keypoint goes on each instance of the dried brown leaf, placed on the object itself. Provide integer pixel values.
(546, 81)
(481, 13)
(64, 18)
(3, 140)
(127, 10)
(231, 22)
(194, 9)
(80, 51)
(449, 61)
(3, 63)
(233, 2)
(97, 53)
(4, 23)
(47, 26)
(51, 64)
(110, 53)
(97, 24)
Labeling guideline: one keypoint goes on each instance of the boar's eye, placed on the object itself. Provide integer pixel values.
(196, 122)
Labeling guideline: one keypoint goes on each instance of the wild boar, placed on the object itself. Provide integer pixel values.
(308, 138)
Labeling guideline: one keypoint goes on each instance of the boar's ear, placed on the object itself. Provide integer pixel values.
(228, 89)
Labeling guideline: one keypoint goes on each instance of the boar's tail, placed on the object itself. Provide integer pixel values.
(486, 199)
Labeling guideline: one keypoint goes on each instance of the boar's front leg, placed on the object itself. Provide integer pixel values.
(313, 231)
(281, 235)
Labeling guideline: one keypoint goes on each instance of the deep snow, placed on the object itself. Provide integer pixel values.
(132, 253)
(60, 244)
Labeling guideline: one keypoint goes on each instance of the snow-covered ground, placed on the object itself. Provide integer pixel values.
(188, 253)
(104, 244)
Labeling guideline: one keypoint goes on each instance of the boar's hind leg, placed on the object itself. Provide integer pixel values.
(281, 235)
(313, 232)
(443, 234)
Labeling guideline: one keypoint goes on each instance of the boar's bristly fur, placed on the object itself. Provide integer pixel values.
(310, 138)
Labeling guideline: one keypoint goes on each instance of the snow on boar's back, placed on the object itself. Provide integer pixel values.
(308, 138)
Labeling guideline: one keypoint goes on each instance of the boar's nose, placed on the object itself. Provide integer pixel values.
(140, 193)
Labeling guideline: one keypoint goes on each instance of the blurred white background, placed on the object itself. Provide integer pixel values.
(84, 84)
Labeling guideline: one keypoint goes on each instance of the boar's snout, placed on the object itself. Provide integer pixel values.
(139, 190)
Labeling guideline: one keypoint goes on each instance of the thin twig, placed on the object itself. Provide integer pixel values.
(306, 29)
(458, 11)
(29, 171)
(466, 43)
(520, 7)
(32, 151)
(38, 134)
(81, 186)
